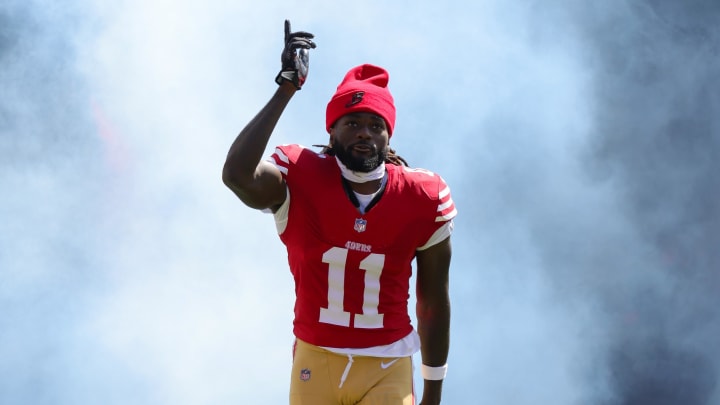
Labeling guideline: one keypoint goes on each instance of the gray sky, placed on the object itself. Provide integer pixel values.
(581, 144)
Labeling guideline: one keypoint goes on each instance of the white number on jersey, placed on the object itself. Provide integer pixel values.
(335, 314)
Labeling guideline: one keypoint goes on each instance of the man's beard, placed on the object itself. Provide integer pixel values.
(358, 164)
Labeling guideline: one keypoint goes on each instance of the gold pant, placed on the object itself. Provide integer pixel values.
(321, 377)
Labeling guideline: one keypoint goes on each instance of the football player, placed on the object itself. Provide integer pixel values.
(353, 217)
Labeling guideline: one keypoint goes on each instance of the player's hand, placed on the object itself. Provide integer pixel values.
(295, 57)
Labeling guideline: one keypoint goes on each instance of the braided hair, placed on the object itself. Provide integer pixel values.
(391, 158)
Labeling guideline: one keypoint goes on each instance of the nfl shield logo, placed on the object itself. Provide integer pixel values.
(304, 374)
(360, 225)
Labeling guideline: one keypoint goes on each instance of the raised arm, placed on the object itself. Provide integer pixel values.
(433, 314)
(257, 183)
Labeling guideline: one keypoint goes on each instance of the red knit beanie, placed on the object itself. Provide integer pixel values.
(364, 89)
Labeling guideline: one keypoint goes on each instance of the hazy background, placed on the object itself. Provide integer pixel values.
(581, 143)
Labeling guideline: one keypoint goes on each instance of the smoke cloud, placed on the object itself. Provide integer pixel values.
(580, 142)
(657, 136)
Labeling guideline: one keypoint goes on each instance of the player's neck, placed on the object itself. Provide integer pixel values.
(363, 182)
(367, 188)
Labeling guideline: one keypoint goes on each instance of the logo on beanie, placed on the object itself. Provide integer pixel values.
(356, 99)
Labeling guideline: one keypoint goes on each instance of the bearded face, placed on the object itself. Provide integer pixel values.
(360, 156)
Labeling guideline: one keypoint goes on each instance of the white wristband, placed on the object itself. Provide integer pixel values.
(433, 373)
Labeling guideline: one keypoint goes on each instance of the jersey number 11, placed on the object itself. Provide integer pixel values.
(335, 314)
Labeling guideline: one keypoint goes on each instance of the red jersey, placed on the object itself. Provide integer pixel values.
(352, 270)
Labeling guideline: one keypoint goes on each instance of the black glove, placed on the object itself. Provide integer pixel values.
(295, 57)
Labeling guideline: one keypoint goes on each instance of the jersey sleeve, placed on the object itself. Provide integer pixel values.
(444, 211)
(285, 156)
(446, 206)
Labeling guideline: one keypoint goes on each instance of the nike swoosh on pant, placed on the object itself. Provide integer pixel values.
(384, 365)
